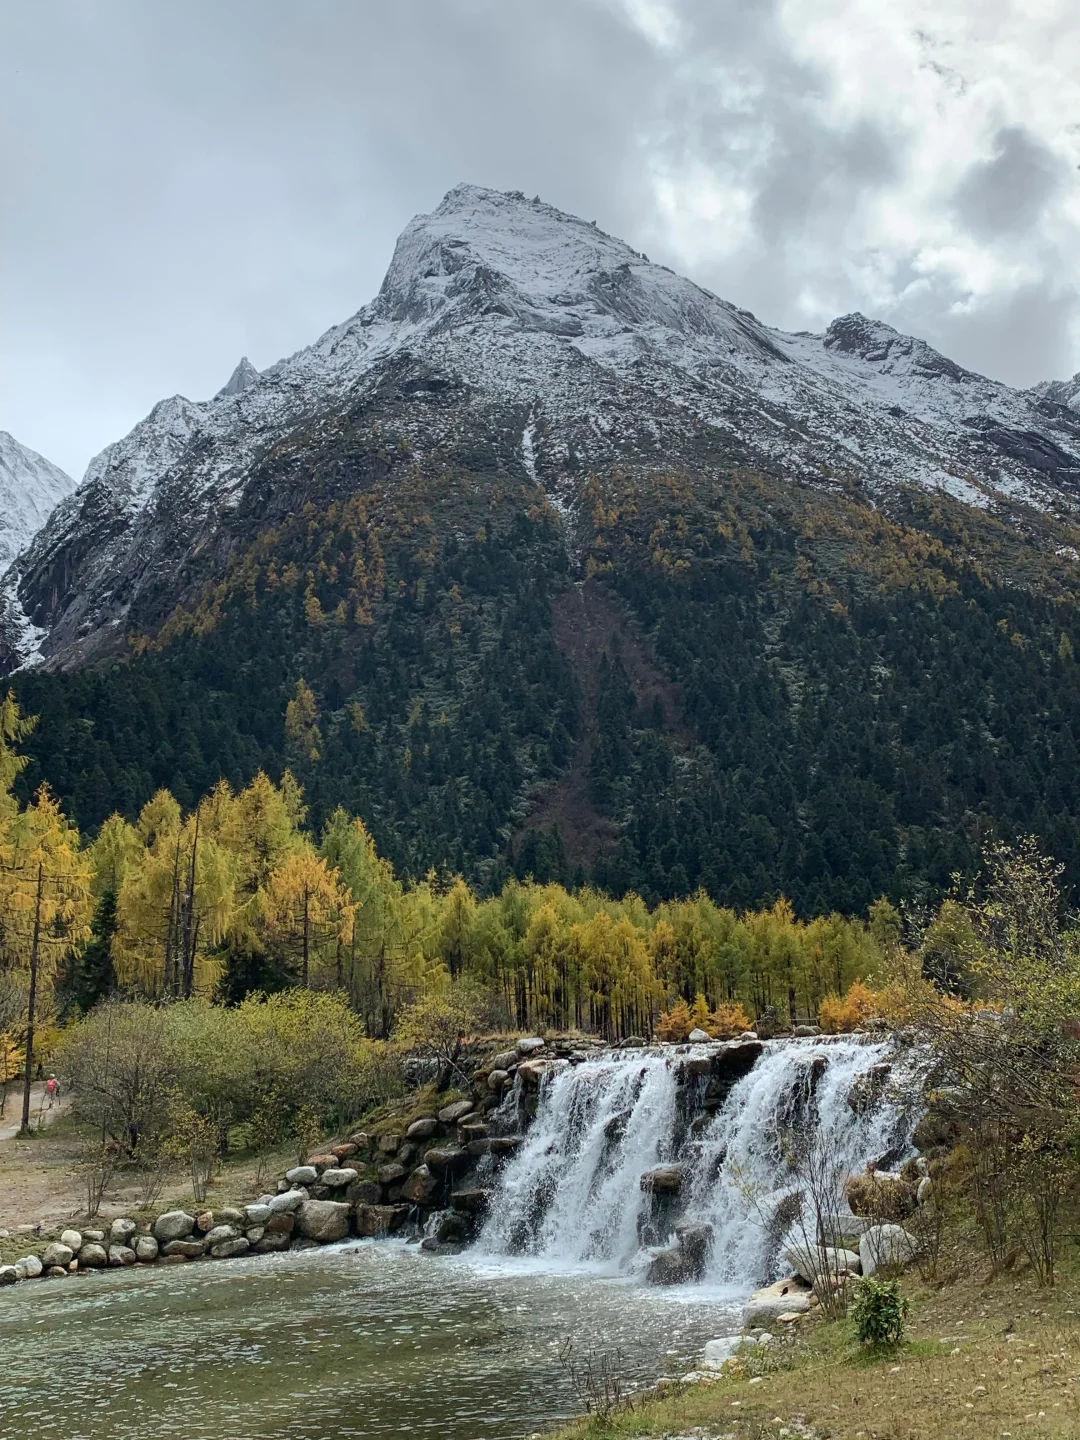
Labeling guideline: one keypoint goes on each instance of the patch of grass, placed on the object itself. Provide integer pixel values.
(987, 1357)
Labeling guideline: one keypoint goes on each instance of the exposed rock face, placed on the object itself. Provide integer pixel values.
(685, 1260)
(581, 325)
(663, 1179)
(885, 1245)
(812, 1263)
(784, 1297)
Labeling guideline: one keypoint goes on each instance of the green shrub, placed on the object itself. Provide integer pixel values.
(879, 1312)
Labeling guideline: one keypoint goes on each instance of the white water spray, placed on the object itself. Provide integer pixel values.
(572, 1193)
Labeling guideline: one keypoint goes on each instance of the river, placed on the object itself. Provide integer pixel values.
(367, 1339)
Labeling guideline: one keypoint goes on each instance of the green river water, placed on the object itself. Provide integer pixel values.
(372, 1339)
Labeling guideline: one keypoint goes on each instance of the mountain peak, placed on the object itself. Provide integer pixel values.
(242, 378)
(886, 348)
(30, 489)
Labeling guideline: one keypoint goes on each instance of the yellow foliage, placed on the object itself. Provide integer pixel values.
(841, 1015)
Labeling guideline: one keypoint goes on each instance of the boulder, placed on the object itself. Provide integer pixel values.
(364, 1192)
(56, 1272)
(663, 1179)
(281, 1222)
(256, 1214)
(422, 1129)
(271, 1242)
(476, 1148)
(227, 1249)
(173, 1225)
(324, 1162)
(284, 1203)
(471, 1202)
(337, 1179)
(323, 1220)
(231, 1215)
(189, 1249)
(302, 1175)
(8, 1275)
(120, 1256)
(29, 1267)
(343, 1152)
(375, 1220)
(446, 1158)
(472, 1129)
(728, 1064)
(454, 1229)
(219, 1234)
(923, 1192)
(72, 1239)
(698, 1036)
(504, 1144)
(868, 1088)
(421, 1187)
(633, 1042)
(683, 1261)
(785, 1297)
(505, 1060)
(146, 1249)
(806, 1032)
(96, 1235)
(532, 1072)
(391, 1174)
(254, 1233)
(56, 1254)
(204, 1221)
(528, 1045)
(812, 1263)
(451, 1114)
(717, 1351)
(389, 1144)
(303, 1242)
(408, 1152)
(92, 1256)
(121, 1231)
(885, 1246)
(498, 1080)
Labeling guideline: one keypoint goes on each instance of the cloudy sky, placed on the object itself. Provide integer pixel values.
(187, 183)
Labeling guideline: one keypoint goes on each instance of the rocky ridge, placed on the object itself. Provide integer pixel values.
(509, 330)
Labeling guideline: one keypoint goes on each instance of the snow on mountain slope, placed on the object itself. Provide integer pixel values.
(537, 323)
(31, 487)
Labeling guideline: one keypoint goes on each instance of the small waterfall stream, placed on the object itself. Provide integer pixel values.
(572, 1193)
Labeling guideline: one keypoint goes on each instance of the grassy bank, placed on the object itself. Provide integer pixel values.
(984, 1359)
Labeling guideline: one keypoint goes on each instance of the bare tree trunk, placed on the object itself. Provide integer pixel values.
(35, 955)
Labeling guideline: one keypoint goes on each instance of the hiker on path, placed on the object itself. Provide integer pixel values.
(52, 1089)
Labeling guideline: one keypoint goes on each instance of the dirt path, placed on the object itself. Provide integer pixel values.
(40, 1113)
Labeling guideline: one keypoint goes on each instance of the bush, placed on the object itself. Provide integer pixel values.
(841, 1015)
(879, 1312)
(723, 1023)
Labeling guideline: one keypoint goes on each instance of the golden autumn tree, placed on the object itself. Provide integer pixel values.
(46, 902)
(306, 916)
(302, 721)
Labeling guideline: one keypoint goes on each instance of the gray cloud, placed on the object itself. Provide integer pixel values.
(189, 185)
(1008, 193)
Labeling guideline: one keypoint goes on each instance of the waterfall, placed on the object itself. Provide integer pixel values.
(572, 1192)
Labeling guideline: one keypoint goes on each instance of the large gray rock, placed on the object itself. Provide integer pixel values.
(683, 1261)
(785, 1297)
(529, 1044)
(283, 1222)
(272, 1241)
(698, 1036)
(286, 1202)
(451, 1114)
(505, 1060)
(884, 1246)
(254, 1233)
(188, 1249)
(219, 1234)
(120, 1256)
(391, 1174)
(72, 1239)
(93, 1256)
(173, 1225)
(814, 1262)
(323, 1220)
(447, 1158)
(227, 1249)
(121, 1231)
(146, 1249)
(375, 1220)
(338, 1179)
(29, 1267)
(8, 1275)
(498, 1080)
(302, 1175)
(257, 1214)
(56, 1254)
(663, 1179)
(422, 1129)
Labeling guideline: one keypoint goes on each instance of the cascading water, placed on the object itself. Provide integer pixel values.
(572, 1193)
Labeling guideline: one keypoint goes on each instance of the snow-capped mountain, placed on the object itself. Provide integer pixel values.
(31, 487)
(508, 325)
